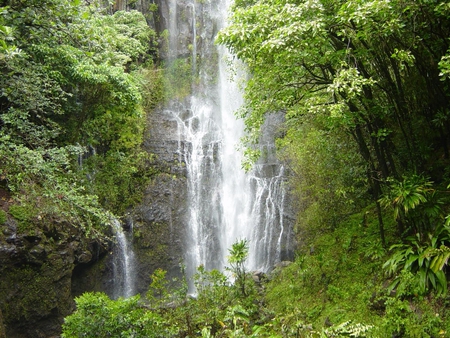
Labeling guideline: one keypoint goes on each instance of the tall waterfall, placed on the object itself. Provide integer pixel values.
(225, 204)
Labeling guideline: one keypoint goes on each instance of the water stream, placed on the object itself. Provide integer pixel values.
(225, 204)
(123, 262)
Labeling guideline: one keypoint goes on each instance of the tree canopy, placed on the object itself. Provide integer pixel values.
(70, 90)
(366, 78)
(374, 70)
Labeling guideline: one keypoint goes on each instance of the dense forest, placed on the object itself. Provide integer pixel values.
(364, 87)
(72, 116)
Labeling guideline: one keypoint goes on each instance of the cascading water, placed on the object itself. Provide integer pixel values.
(123, 259)
(225, 204)
(123, 262)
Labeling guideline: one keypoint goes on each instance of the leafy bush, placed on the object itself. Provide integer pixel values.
(72, 86)
(416, 203)
(97, 316)
(425, 258)
(404, 318)
(219, 309)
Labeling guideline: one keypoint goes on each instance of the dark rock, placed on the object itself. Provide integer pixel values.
(259, 277)
(2, 327)
(84, 257)
(33, 239)
(37, 254)
(36, 276)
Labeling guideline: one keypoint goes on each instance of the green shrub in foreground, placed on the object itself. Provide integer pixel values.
(97, 316)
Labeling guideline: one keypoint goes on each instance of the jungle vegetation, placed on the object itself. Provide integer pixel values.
(71, 110)
(364, 85)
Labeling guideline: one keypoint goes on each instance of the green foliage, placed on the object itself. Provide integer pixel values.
(117, 178)
(332, 281)
(3, 217)
(214, 296)
(99, 316)
(73, 85)
(409, 319)
(328, 176)
(416, 203)
(425, 259)
(338, 280)
(152, 83)
(217, 310)
(47, 188)
(346, 329)
(24, 214)
(238, 256)
(419, 262)
(211, 285)
(178, 78)
(339, 70)
(158, 291)
(323, 294)
(153, 7)
(361, 124)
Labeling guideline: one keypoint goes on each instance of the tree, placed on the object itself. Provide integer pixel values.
(99, 316)
(238, 256)
(68, 84)
(368, 68)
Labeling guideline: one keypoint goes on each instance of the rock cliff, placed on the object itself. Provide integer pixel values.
(36, 268)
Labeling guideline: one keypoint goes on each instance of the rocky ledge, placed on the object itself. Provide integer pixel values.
(36, 269)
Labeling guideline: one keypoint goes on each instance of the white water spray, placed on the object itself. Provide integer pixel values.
(225, 203)
(124, 274)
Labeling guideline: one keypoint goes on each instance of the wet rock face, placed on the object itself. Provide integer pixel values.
(36, 268)
(190, 26)
(159, 222)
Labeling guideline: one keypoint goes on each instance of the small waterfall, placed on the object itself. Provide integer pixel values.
(269, 231)
(123, 261)
(225, 204)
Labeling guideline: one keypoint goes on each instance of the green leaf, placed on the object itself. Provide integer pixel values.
(442, 279)
(431, 277)
(439, 261)
(410, 261)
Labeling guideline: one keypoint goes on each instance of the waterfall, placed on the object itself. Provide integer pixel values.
(225, 204)
(123, 262)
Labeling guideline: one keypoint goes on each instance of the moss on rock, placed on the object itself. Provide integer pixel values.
(37, 265)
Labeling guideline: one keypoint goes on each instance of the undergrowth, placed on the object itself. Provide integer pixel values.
(338, 277)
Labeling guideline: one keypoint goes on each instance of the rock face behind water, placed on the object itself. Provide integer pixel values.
(160, 221)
